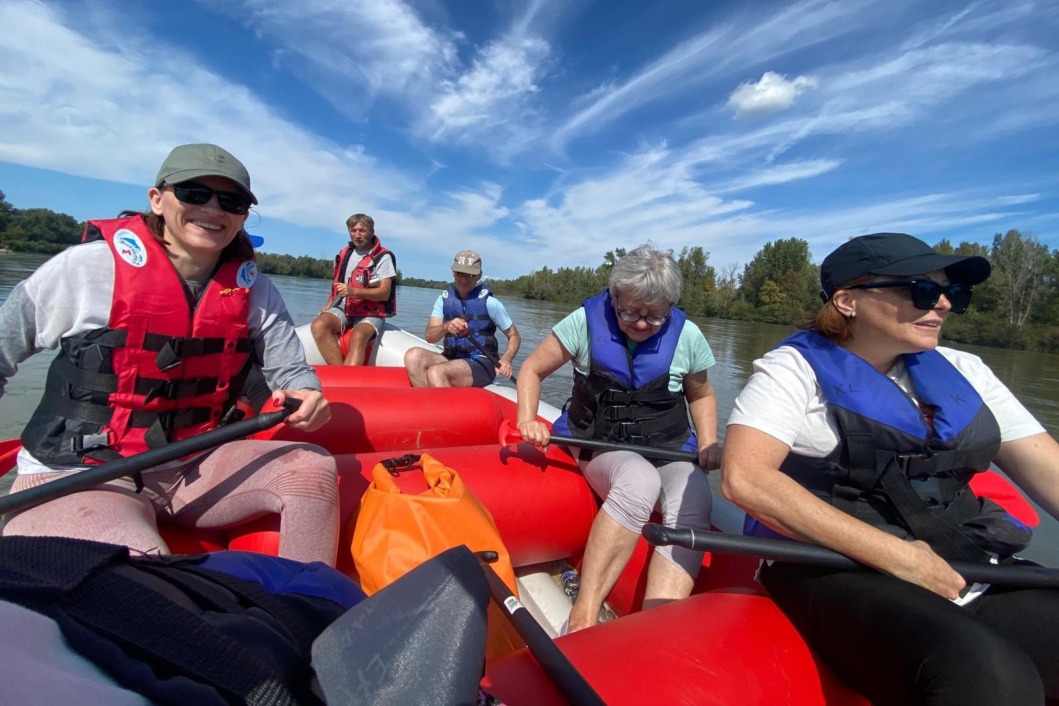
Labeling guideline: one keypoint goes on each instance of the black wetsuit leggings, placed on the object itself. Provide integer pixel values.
(897, 643)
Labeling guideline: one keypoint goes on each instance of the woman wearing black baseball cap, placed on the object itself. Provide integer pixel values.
(861, 434)
(158, 317)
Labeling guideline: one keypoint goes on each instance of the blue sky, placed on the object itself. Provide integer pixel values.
(547, 132)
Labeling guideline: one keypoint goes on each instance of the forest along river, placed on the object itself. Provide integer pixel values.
(736, 344)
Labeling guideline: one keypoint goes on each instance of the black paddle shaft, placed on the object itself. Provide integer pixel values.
(509, 435)
(573, 686)
(492, 358)
(83, 480)
(1020, 575)
(645, 451)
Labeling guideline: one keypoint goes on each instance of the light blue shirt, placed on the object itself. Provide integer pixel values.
(693, 353)
(493, 307)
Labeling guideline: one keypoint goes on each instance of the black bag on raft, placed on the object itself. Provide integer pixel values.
(167, 628)
(178, 633)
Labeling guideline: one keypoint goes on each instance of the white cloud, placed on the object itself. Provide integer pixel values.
(728, 47)
(352, 51)
(770, 94)
(114, 115)
(491, 101)
(111, 103)
(486, 102)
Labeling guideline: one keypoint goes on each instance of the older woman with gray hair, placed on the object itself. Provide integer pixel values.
(640, 367)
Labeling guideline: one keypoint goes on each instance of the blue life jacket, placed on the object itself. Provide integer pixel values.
(625, 397)
(895, 470)
(474, 311)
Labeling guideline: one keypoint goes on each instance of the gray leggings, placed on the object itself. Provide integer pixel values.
(221, 488)
(631, 488)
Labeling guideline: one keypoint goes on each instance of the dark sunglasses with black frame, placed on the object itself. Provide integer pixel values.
(926, 292)
(196, 194)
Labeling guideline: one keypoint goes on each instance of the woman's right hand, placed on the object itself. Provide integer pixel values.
(535, 433)
(925, 568)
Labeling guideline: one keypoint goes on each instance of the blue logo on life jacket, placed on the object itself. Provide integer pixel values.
(246, 275)
(130, 248)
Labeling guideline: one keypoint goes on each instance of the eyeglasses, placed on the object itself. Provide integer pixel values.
(632, 317)
(927, 292)
(191, 192)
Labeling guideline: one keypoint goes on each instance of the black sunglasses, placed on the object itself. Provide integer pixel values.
(927, 292)
(196, 194)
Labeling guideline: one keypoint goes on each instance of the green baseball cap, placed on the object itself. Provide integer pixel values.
(188, 162)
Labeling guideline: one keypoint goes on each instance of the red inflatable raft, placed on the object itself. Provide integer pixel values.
(726, 644)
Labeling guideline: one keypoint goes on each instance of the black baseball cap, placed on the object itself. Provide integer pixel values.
(895, 254)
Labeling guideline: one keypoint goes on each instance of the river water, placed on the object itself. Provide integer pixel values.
(736, 344)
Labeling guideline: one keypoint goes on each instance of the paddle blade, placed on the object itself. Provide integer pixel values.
(420, 640)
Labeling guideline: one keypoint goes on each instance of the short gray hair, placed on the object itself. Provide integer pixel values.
(649, 276)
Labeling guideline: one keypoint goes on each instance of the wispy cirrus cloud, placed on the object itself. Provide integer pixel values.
(352, 52)
(440, 137)
(731, 46)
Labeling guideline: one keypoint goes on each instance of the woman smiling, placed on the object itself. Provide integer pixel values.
(862, 434)
(158, 318)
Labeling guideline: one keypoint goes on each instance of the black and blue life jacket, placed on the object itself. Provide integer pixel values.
(625, 397)
(904, 467)
(475, 312)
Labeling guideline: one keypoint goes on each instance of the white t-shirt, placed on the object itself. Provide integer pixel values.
(384, 268)
(783, 399)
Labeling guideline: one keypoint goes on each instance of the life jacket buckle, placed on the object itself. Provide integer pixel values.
(393, 465)
(90, 442)
(907, 463)
(166, 390)
(170, 355)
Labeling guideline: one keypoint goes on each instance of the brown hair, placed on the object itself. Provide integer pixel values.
(239, 249)
(361, 218)
(831, 323)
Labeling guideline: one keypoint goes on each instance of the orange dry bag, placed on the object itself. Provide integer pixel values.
(396, 532)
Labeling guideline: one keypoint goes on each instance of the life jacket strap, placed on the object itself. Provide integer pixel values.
(924, 524)
(173, 350)
(153, 389)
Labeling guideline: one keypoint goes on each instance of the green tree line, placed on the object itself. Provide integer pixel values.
(1017, 307)
(38, 230)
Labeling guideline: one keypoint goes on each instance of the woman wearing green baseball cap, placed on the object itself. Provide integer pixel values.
(158, 318)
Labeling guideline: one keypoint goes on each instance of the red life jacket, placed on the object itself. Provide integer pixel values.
(360, 279)
(161, 370)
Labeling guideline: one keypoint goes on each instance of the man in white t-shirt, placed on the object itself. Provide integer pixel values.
(363, 293)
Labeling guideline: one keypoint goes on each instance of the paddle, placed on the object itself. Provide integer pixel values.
(555, 664)
(492, 358)
(83, 480)
(814, 555)
(510, 436)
